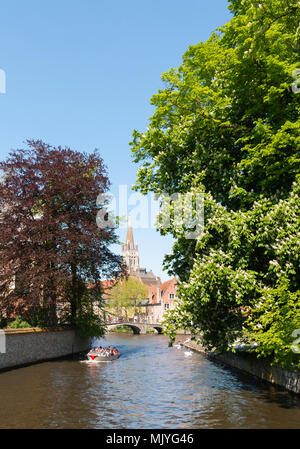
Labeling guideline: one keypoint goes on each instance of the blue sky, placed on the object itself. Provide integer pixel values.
(81, 74)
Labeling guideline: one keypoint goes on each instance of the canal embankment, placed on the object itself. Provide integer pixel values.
(27, 346)
(249, 363)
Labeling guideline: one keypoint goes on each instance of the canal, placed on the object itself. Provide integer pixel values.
(149, 386)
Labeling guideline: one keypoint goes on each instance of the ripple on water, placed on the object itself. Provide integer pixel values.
(149, 386)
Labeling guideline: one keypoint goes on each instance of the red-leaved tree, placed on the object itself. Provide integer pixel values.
(50, 245)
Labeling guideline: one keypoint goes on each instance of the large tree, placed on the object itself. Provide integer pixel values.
(50, 245)
(228, 118)
(227, 125)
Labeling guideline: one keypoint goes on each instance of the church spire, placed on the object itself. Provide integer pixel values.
(130, 251)
(129, 236)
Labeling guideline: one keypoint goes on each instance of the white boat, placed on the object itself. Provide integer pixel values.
(98, 357)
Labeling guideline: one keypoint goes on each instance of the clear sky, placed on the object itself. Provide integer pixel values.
(81, 74)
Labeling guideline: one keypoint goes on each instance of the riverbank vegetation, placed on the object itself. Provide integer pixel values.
(226, 126)
(53, 255)
(18, 323)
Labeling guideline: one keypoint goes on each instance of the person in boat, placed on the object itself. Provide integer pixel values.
(115, 351)
(92, 352)
(96, 349)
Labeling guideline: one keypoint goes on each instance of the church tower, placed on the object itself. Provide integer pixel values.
(130, 251)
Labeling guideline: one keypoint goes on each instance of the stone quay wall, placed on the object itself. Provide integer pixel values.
(249, 363)
(20, 347)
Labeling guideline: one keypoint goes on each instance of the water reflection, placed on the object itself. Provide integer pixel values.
(149, 386)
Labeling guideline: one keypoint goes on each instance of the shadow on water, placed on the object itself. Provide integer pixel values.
(267, 391)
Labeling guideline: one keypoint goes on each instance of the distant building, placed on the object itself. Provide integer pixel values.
(168, 294)
(161, 296)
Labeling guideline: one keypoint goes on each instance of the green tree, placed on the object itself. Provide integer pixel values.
(125, 297)
(227, 124)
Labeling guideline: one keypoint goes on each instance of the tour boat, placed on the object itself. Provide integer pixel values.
(98, 357)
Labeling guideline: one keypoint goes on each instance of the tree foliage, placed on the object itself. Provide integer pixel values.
(125, 297)
(227, 124)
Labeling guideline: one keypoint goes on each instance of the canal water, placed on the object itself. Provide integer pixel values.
(149, 386)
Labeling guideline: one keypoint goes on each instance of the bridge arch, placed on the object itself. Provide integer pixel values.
(134, 327)
(157, 328)
(137, 328)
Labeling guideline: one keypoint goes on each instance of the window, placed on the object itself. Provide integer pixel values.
(172, 296)
(167, 306)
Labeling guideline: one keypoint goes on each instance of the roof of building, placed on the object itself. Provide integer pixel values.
(168, 287)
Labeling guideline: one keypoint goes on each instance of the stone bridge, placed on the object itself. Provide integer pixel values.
(137, 328)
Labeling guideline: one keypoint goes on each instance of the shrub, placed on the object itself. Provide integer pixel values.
(18, 323)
